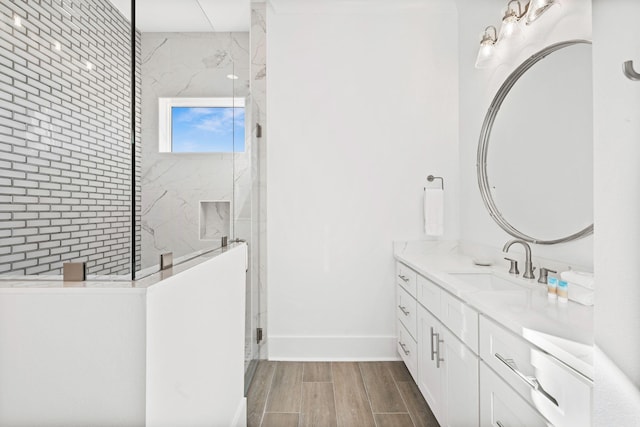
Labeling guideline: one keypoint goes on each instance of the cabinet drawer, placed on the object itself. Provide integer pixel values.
(429, 295)
(408, 350)
(500, 406)
(563, 396)
(406, 278)
(461, 319)
(406, 308)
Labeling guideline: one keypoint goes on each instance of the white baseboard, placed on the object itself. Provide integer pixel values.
(240, 418)
(333, 348)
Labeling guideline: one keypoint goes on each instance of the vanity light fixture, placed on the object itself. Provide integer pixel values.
(512, 27)
(537, 8)
(487, 47)
(510, 20)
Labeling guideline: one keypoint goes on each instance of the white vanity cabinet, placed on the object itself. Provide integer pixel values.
(475, 371)
(446, 369)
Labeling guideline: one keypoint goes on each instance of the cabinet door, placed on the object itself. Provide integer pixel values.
(459, 372)
(429, 381)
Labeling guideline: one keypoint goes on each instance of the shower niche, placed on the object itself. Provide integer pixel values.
(215, 219)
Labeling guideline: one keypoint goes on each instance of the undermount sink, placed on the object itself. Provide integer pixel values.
(486, 281)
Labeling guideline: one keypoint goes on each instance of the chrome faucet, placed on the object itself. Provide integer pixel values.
(528, 265)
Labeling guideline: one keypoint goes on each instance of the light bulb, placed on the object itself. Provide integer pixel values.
(487, 47)
(485, 56)
(537, 8)
(17, 21)
(510, 21)
(507, 29)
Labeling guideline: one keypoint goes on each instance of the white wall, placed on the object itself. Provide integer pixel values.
(617, 199)
(362, 101)
(570, 20)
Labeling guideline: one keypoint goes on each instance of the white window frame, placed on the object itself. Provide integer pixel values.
(164, 117)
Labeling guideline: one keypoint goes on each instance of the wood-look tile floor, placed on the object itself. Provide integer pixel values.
(336, 394)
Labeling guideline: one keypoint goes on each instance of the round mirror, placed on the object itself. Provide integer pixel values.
(535, 158)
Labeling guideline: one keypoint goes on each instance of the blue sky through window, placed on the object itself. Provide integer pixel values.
(207, 129)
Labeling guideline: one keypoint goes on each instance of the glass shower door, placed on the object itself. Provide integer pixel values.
(197, 167)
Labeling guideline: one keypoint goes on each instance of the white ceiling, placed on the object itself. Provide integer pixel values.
(188, 15)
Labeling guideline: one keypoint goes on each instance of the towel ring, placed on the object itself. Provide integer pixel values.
(629, 71)
(431, 178)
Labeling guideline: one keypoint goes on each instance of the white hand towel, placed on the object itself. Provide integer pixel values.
(579, 277)
(580, 294)
(434, 211)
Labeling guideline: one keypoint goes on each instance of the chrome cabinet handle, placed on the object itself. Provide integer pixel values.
(531, 381)
(433, 352)
(499, 424)
(404, 348)
(405, 279)
(438, 359)
(404, 310)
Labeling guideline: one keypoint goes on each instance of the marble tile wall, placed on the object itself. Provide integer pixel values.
(173, 184)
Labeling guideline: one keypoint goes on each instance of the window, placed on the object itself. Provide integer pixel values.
(201, 125)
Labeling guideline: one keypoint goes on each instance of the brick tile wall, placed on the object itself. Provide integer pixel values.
(65, 144)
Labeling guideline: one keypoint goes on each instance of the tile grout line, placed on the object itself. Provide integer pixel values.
(266, 401)
(402, 396)
(333, 387)
(392, 413)
(366, 390)
(301, 394)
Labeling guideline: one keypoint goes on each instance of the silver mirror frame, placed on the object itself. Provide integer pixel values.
(483, 146)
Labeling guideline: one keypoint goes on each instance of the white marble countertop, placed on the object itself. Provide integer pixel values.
(564, 330)
(102, 283)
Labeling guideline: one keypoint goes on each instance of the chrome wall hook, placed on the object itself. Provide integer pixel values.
(629, 71)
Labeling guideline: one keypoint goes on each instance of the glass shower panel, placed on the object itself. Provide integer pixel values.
(187, 139)
(65, 137)
(197, 178)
